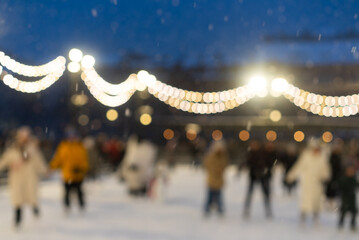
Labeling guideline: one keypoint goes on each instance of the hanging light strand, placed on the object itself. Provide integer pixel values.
(32, 71)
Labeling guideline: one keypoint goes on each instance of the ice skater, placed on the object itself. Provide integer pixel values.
(71, 157)
(313, 170)
(348, 186)
(260, 161)
(26, 164)
(215, 163)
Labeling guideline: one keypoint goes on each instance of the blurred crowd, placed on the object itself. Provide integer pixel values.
(318, 169)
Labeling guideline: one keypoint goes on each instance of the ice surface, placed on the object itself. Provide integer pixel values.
(111, 214)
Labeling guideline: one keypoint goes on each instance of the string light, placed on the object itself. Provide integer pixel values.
(32, 71)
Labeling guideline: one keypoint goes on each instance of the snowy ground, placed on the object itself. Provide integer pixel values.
(111, 214)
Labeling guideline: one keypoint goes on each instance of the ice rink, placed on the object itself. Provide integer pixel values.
(111, 214)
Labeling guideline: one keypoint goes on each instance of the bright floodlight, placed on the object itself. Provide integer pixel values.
(258, 85)
(279, 85)
(88, 61)
(75, 55)
(73, 67)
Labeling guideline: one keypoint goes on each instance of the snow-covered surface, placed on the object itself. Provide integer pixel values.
(111, 214)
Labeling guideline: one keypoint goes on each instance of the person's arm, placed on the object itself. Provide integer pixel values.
(5, 160)
(57, 159)
(294, 172)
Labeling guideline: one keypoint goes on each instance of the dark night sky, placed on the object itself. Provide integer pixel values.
(37, 31)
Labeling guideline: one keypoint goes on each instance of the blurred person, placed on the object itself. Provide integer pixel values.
(26, 164)
(137, 168)
(72, 159)
(215, 163)
(260, 161)
(335, 161)
(95, 163)
(312, 169)
(159, 184)
(348, 186)
(288, 160)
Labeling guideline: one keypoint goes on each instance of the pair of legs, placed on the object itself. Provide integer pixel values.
(73, 187)
(353, 219)
(214, 197)
(18, 214)
(265, 186)
(141, 192)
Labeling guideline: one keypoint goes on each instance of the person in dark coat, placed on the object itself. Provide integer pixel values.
(348, 185)
(260, 160)
(288, 159)
(335, 161)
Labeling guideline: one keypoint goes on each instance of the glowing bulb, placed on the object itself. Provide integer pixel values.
(145, 119)
(217, 135)
(327, 137)
(299, 136)
(258, 85)
(73, 67)
(168, 134)
(244, 135)
(275, 115)
(112, 115)
(279, 85)
(88, 61)
(75, 55)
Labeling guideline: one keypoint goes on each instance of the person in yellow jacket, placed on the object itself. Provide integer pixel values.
(215, 163)
(71, 157)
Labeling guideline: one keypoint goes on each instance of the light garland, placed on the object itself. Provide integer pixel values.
(51, 71)
(96, 87)
(32, 71)
(114, 95)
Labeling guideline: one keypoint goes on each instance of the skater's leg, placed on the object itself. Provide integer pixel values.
(266, 195)
(353, 224)
(209, 201)
(18, 216)
(220, 202)
(249, 196)
(341, 219)
(67, 189)
(80, 194)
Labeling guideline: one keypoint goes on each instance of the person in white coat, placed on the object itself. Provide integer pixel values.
(312, 169)
(25, 164)
(138, 165)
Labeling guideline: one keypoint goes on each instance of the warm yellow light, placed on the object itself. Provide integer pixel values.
(145, 119)
(83, 120)
(244, 135)
(112, 115)
(75, 55)
(279, 85)
(168, 134)
(79, 99)
(73, 67)
(191, 135)
(258, 85)
(217, 135)
(275, 115)
(271, 136)
(299, 136)
(88, 61)
(327, 137)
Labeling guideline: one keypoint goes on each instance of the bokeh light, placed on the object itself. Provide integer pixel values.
(327, 137)
(88, 61)
(145, 119)
(83, 120)
(73, 67)
(191, 135)
(217, 135)
(275, 115)
(75, 55)
(271, 136)
(112, 115)
(244, 135)
(299, 136)
(168, 134)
